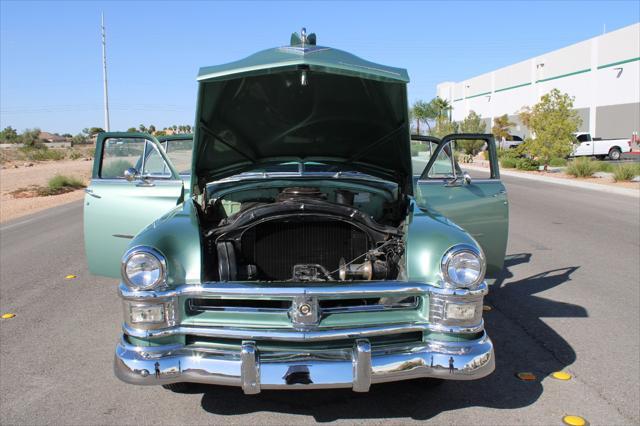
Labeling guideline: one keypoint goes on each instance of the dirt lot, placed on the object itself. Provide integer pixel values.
(12, 178)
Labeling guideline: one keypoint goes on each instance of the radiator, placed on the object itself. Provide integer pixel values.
(276, 246)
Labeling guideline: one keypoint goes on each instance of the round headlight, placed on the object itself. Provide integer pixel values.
(463, 266)
(143, 268)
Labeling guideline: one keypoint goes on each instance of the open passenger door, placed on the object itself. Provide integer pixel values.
(478, 205)
(132, 184)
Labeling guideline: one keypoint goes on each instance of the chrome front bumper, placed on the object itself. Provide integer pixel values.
(355, 368)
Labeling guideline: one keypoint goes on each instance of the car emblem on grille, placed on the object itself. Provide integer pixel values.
(304, 311)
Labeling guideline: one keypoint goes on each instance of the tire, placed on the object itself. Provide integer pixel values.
(178, 387)
(614, 153)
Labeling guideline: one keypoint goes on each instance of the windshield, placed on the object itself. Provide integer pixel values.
(304, 168)
(180, 152)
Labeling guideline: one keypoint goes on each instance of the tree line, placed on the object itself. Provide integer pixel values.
(31, 137)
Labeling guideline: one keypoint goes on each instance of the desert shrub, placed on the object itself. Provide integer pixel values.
(605, 167)
(41, 154)
(509, 153)
(470, 147)
(463, 158)
(508, 163)
(527, 164)
(582, 167)
(558, 162)
(74, 154)
(62, 181)
(60, 184)
(626, 172)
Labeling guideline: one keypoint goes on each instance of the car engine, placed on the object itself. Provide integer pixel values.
(301, 236)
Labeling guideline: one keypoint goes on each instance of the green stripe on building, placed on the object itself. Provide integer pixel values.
(613, 64)
(512, 87)
(563, 75)
(479, 94)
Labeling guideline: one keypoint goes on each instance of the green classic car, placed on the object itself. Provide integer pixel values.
(287, 244)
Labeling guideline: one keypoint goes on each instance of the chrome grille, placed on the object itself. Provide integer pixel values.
(326, 306)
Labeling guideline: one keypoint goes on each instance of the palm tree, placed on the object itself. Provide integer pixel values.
(152, 128)
(441, 106)
(422, 111)
(142, 128)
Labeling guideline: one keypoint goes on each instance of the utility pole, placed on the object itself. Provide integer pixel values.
(104, 74)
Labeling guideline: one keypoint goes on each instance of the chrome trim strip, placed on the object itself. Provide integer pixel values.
(260, 291)
(376, 307)
(457, 329)
(439, 181)
(89, 191)
(122, 181)
(129, 237)
(297, 335)
(191, 308)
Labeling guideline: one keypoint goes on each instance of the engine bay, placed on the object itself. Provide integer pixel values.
(310, 233)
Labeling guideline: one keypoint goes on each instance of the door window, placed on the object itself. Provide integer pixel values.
(180, 152)
(120, 154)
(455, 152)
(445, 165)
(154, 164)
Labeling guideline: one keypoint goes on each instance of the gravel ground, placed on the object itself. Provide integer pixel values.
(38, 174)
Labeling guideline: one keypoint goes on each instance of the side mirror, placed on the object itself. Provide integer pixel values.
(467, 178)
(131, 174)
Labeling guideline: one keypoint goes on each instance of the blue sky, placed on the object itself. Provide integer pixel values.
(50, 57)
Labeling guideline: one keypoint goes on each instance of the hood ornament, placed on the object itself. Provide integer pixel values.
(303, 39)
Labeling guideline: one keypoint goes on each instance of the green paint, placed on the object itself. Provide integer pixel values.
(513, 87)
(613, 64)
(316, 58)
(479, 94)
(479, 208)
(563, 75)
(459, 99)
(372, 136)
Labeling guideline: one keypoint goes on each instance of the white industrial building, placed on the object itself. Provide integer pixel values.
(602, 73)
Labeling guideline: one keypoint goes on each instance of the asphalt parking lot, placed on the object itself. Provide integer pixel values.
(568, 300)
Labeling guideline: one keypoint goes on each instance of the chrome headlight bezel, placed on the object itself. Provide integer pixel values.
(149, 251)
(449, 256)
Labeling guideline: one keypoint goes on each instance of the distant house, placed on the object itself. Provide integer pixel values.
(51, 138)
(54, 141)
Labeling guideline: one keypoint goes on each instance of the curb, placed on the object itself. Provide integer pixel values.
(559, 181)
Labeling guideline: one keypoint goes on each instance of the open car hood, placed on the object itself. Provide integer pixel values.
(302, 103)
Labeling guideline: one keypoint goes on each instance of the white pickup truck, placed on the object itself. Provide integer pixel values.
(599, 148)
